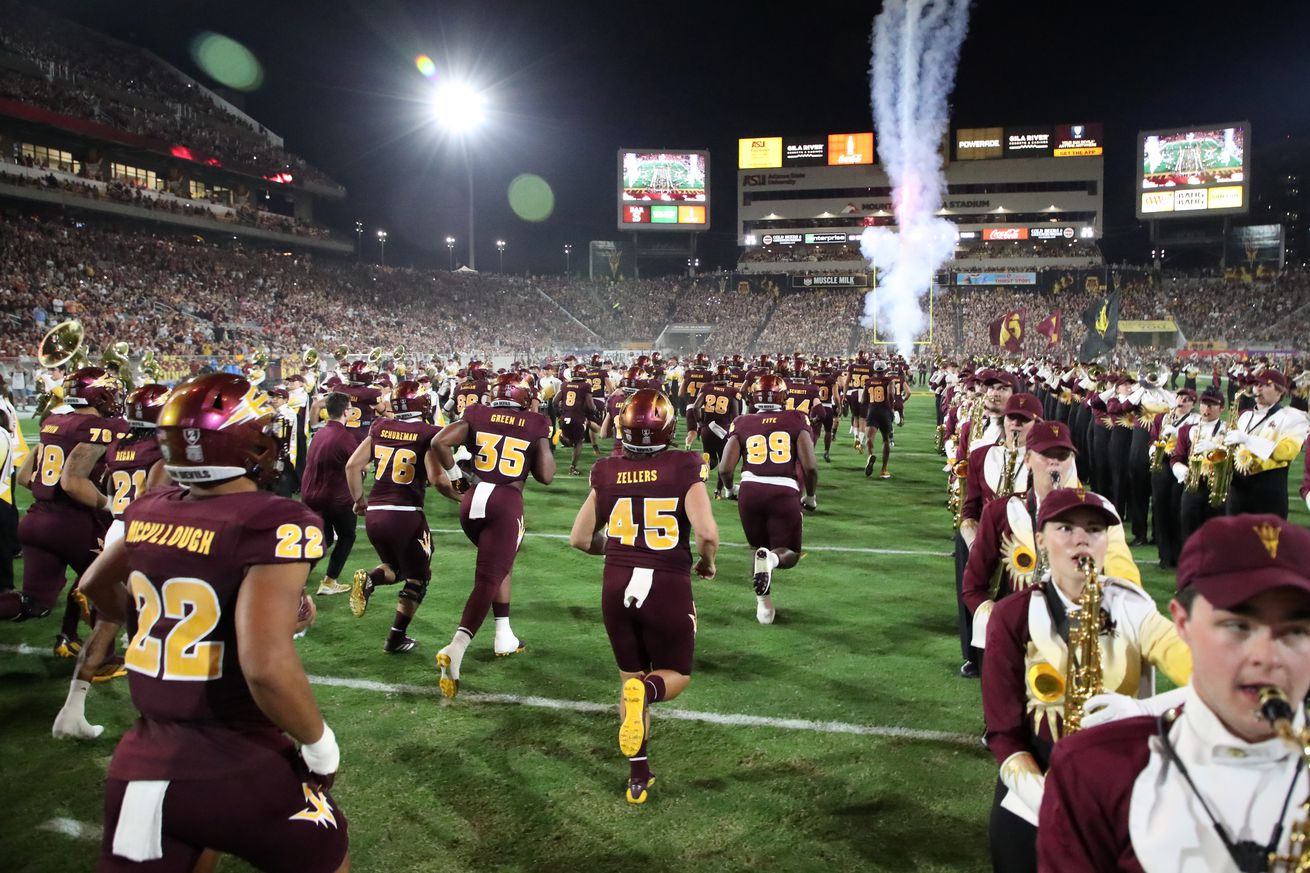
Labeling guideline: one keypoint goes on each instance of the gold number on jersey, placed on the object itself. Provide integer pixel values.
(354, 415)
(878, 394)
(776, 447)
(659, 526)
(506, 452)
(127, 486)
(570, 399)
(295, 543)
(803, 406)
(401, 461)
(717, 404)
(102, 435)
(184, 653)
(52, 465)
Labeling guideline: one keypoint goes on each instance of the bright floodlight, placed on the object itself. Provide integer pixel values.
(457, 106)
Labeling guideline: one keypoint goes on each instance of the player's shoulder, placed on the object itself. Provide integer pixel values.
(264, 510)
(689, 464)
(158, 500)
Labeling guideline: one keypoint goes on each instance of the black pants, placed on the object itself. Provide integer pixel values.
(1139, 482)
(967, 651)
(1014, 841)
(1166, 515)
(8, 544)
(1117, 458)
(1194, 511)
(1261, 492)
(339, 533)
(1100, 458)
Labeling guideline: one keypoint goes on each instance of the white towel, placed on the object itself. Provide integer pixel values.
(481, 494)
(718, 431)
(638, 587)
(140, 832)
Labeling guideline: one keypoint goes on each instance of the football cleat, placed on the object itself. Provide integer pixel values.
(449, 668)
(514, 648)
(331, 586)
(639, 790)
(407, 644)
(632, 732)
(868, 466)
(573, 471)
(825, 456)
(110, 669)
(763, 578)
(361, 589)
(885, 474)
(764, 611)
(66, 646)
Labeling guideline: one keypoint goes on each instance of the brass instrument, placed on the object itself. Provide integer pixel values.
(397, 353)
(1220, 458)
(375, 355)
(1277, 710)
(939, 440)
(115, 359)
(340, 353)
(61, 344)
(1011, 467)
(1085, 679)
(1160, 447)
(151, 369)
(309, 358)
(976, 419)
(955, 503)
(261, 358)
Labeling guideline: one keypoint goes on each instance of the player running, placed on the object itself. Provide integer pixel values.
(641, 509)
(881, 393)
(716, 407)
(576, 413)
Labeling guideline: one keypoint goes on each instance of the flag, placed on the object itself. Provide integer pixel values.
(1102, 320)
(1052, 327)
(1007, 331)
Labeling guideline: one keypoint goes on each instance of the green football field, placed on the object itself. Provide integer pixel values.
(840, 738)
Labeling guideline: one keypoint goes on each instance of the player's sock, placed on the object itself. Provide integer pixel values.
(654, 691)
(378, 576)
(639, 765)
(71, 720)
(506, 641)
(449, 660)
(72, 617)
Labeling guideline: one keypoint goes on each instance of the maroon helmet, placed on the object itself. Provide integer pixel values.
(476, 370)
(643, 361)
(383, 380)
(701, 360)
(360, 373)
(722, 374)
(862, 356)
(510, 390)
(579, 372)
(646, 422)
(410, 401)
(144, 403)
(768, 390)
(633, 380)
(595, 359)
(216, 428)
(94, 387)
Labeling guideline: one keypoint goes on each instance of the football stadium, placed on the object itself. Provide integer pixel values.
(443, 438)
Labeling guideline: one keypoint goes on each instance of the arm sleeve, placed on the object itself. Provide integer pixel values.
(1183, 448)
(973, 490)
(1162, 647)
(984, 557)
(1075, 836)
(1119, 558)
(1004, 695)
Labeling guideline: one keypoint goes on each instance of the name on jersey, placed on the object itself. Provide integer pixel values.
(50, 428)
(197, 540)
(770, 420)
(509, 419)
(636, 477)
(125, 455)
(402, 435)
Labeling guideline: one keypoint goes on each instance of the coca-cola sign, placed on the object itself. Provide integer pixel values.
(1004, 233)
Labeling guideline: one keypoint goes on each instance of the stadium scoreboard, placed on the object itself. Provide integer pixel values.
(1190, 172)
(664, 189)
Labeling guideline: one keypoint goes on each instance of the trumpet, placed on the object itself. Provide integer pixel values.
(1277, 710)
(1085, 673)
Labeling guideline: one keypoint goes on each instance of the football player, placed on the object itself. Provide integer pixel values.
(576, 413)
(696, 377)
(508, 441)
(881, 390)
(827, 413)
(57, 531)
(857, 374)
(641, 509)
(324, 490)
(634, 379)
(394, 520)
(716, 406)
(772, 442)
(213, 574)
(471, 391)
(134, 466)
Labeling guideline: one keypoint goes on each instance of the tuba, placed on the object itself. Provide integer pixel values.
(115, 359)
(309, 358)
(1085, 678)
(375, 356)
(340, 353)
(151, 368)
(61, 344)
(1277, 710)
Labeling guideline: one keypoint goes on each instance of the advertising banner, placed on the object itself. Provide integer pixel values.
(1019, 278)
(1078, 140)
(1004, 233)
(1051, 232)
(853, 280)
(850, 148)
(979, 143)
(1028, 142)
(804, 151)
(759, 153)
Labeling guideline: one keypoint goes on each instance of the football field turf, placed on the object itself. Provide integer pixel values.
(840, 738)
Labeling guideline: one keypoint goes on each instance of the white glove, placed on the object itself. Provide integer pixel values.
(454, 473)
(1180, 473)
(810, 502)
(1086, 384)
(1135, 397)
(1200, 447)
(1108, 707)
(73, 725)
(1107, 394)
(1235, 438)
(900, 418)
(324, 756)
(1167, 431)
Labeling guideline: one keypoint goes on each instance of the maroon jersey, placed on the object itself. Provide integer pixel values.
(613, 406)
(60, 434)
(501, 438)
(857, 375)
(695, 379)
(880, 390)
(574, 399)
(471, 393)
(597, 377)
(360, 413)
(188, 558)
(719, 405)
(826, 384)
(768, 442)
(736, 376)
(127, 467)
(324, 482)
(802, 397)
(399, 448)
(643, 503)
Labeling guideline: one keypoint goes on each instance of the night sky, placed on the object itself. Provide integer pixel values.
(571, 82)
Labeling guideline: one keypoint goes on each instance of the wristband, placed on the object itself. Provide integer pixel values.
(324, 755)
(455, 473)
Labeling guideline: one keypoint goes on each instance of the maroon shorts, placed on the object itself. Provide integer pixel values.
(711, 442)
(658, 635)
(573, 430)
(822, 418)
(403, 542)
(855, 405)
(770, 515)
(53, 539)
(492, 519)
(693, 420)
(274, 818)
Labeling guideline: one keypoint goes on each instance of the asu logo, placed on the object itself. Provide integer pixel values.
(1268, 534)
(319, 810)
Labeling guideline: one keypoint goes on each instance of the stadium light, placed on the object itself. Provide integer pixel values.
(450, 246)
(750, 239)
(568, 254)
(500, 249)
(359, 239)
(460, 108)
(382, 244)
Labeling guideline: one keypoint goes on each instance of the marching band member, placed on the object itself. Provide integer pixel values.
(1264, 444)
(1208, 786)
(1034, 675)
(1166, 491)
(1192, 468)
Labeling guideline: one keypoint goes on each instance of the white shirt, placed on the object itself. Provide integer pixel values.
(1244, 785)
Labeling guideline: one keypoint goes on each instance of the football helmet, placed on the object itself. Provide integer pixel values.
(475, 370)
(216, 428)
(410, 401)
(862, 356)
(96, 388)
(768, 390)
(722, 374)
(880, 366)
(702, 360)
(360, 373)
(646, 422)
(510, 390)
(144, 403)
(595, 360)
(579, 371)
(633, 380)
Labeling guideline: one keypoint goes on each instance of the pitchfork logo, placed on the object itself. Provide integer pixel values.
(191, 435)
(1078, 131)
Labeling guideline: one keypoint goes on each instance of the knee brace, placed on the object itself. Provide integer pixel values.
(415, 591)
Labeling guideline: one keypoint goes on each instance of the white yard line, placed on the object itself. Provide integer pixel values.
(73, 829)
(719, 718)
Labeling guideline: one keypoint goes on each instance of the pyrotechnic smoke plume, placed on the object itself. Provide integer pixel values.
(916, 48)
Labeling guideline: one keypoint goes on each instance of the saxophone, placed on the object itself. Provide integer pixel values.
(1084, 650)
(1275, 709)
(1220, 458)
(1160, 448)
(1011, 467)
